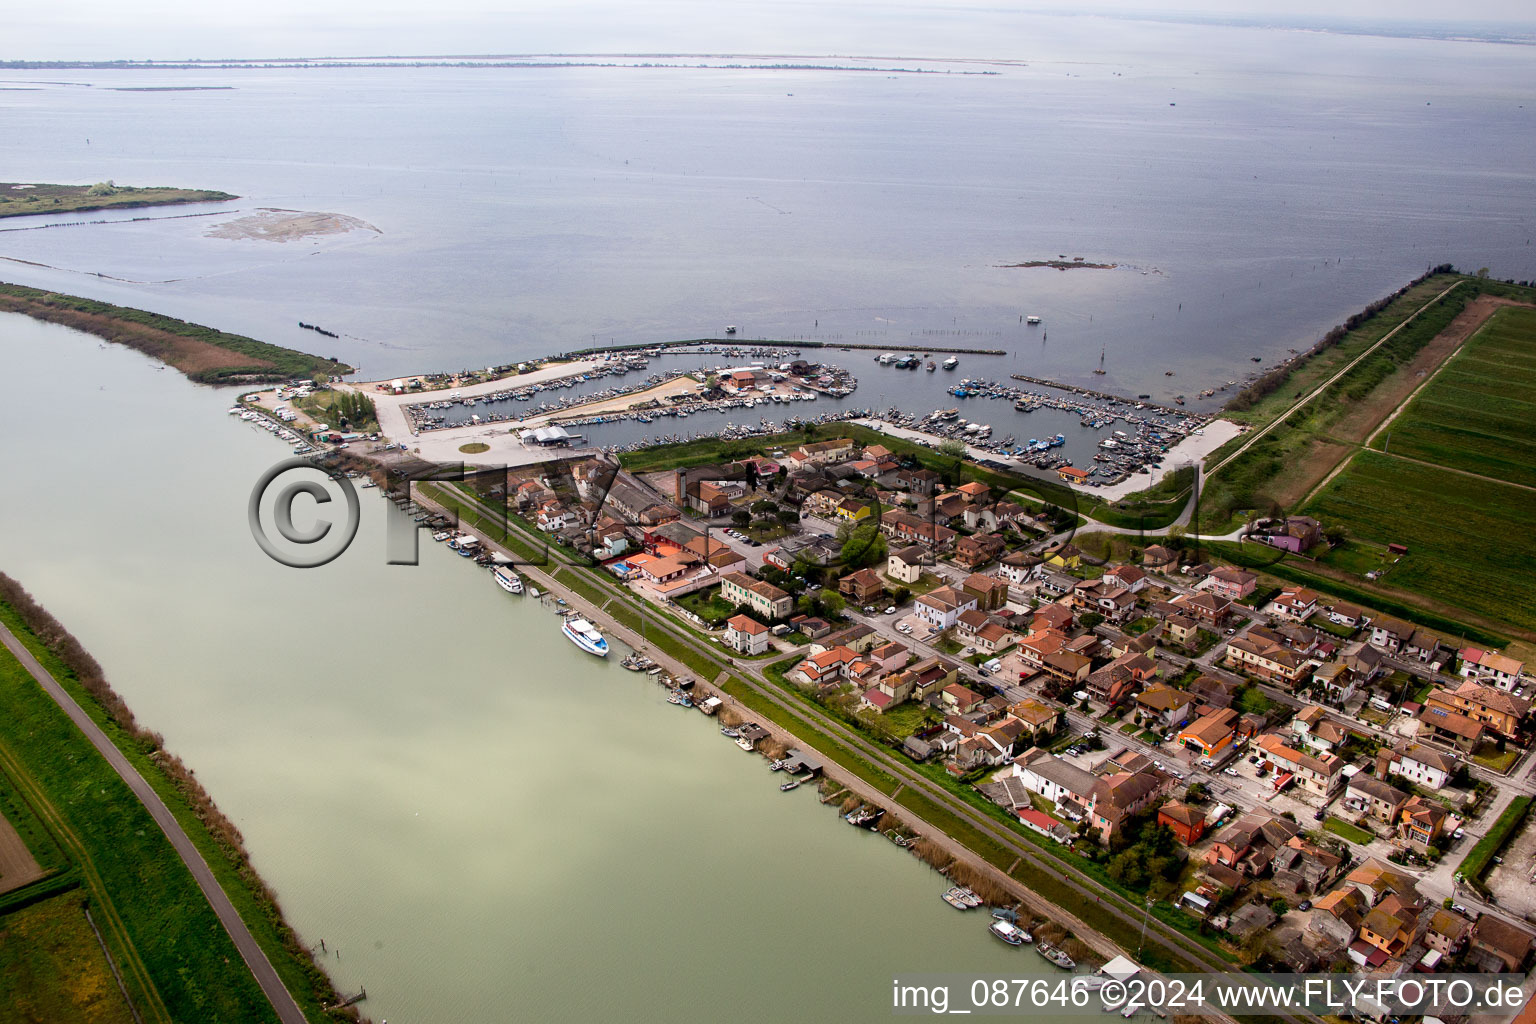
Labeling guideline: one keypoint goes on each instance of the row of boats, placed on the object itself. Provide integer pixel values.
(1005, 925)
(575, 628)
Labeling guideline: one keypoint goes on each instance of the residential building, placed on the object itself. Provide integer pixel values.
(828, 667)
(1162, 707)
(906, 564)
(1121, 796)
(1038, 716)
(1294, 533)
(1212, 733)
(853, 510)
(1313, 728)
(1490, 667)
(960, 700)
(1266, 660)
(1420, 822)
(1390, 926)
(1446, 931)
(1369, 795)
(762, 597)
(746, 635)
(1295, 603)
(1452, 727)
(978, 549)
(1419, 763)
(1501, 712)
(1501, 942)
(1250, 843)
(1128, 577)
(1210, 610)
(1067, 786)
(1116, 681)
(1187, 823)
(862, 587)
(1319, 775)
(990, 592)
(1019, 567)
(906, 528)
(941, 608)
(1230, 583)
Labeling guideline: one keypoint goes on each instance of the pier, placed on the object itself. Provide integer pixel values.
(1105, 396)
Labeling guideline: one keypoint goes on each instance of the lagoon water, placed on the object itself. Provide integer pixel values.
(486, 822)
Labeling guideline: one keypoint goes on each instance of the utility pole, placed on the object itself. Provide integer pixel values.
(1145, 914)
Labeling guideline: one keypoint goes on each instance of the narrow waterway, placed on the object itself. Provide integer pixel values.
(481, 820)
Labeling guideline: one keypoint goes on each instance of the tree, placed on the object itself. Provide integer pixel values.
(901, 596)
(1088, 620)
(832, 602)
(741, 517)
(1196, 793)
(1279, 906)
(952, 448)
(863, 545)
(787, 516)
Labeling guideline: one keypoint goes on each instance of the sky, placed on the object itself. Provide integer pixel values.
(180, 29)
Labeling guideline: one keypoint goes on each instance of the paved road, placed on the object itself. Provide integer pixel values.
(266, 976)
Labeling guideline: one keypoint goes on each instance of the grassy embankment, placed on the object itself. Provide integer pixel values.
(1476, 863)
(53, 969)
(1303, 446)
(42, 198)
(204, 354)
(176, 959)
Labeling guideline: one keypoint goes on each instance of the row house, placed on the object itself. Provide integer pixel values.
(1405, 641)
(762, 597)
(1490, 667)
(1318, 774)
(907, 528)
(1266, 660)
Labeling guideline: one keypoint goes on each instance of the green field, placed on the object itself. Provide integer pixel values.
(1476, 863)
(1468, 539)
(52, 968)
(1479, 413)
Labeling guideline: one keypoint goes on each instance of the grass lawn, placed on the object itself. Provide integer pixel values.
(1489, 757)
(908, 718)
(707, 605)
(79, 198)
(52, 968)
(1340, 827)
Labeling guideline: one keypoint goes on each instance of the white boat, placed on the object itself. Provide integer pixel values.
(533, 592)
(1009, 932)
(508, 580)
(951, 363)
(1031, 319)
(585, 635)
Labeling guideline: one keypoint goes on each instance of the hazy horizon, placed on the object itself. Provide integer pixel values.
(178, 30)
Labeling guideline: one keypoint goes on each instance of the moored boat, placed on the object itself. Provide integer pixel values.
(585, 635)
(508, 580)
(1056, 956)
(1008, 932)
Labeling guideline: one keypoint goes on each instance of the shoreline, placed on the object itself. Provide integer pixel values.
(77, 198)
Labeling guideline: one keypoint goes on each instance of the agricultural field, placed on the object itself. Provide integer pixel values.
(1479, 413)
(53, 969)
(1469, 539)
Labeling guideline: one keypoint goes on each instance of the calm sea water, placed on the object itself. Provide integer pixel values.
(483, 820)
(1255, 187)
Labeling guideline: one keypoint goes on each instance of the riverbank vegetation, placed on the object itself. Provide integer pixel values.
(204, 354)
(22, 199)
(174, 953)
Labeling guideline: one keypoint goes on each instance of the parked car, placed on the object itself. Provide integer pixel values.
(1304, 905)
(1230, 771)
(891, 610)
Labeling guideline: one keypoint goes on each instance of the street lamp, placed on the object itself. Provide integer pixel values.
(1144, 916)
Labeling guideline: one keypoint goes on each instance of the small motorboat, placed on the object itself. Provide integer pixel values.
(970, 898)
(791, 784)
(955, 901)
(1009, 933)
(729, 733)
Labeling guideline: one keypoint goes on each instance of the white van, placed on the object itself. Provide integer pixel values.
(1381, 704)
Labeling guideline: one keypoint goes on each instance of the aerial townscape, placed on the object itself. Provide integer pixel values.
(1083, 484)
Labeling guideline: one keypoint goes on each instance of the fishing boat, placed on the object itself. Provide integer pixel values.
(951, 362)
(865, 817)
(729, 733)
(585, 635)
(790, 785)
(508, 580)
(730, 329)
(1056, 956)
(1009, 933)
(955, 901)
(931, 366)
(970, 898)
(1031, 319)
